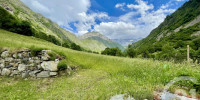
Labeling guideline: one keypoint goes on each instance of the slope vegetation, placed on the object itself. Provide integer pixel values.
(101, 77)
(170, 38)
(45, 27)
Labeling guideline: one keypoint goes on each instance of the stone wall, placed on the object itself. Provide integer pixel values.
(23, 64)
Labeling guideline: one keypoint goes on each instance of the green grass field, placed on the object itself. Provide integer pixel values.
(100, 77)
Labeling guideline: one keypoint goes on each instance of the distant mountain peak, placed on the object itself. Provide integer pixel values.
(94, 34)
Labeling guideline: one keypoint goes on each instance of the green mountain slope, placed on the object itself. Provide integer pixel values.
(102, 39)
(43, 25)
(178, 30)
(100, 76)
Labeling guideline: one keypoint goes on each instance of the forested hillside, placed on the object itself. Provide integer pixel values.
(19, 16)
(170, 39)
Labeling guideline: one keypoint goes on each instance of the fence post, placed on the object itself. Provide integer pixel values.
(188, 53)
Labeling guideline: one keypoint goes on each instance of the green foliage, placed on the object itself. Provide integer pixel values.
(52, 55)
(112, 52)
(66, 45)
(35, 50)
(131, 52)
(75, 47)
(10, 23)
(62, 65)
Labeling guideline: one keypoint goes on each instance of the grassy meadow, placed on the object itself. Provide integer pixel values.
(100, 77)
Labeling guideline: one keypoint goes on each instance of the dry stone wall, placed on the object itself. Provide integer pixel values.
(23, 64)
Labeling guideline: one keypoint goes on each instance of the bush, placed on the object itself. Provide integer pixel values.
(52, 55)
(10, 23)
(35, 51)
(62, 65)
(112, 52)
(75, 47)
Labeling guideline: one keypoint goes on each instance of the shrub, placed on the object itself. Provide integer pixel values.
(35, 51)
(52, 55)
(75, 47)
(62, 65)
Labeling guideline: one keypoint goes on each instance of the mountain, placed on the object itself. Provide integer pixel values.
(102, 39)
(44, 28)
(178, 30)
(126, 42)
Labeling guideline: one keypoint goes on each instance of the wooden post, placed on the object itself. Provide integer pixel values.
(188, 53)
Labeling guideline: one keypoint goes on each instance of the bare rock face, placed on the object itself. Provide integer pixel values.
(5, 72)
(50, 66)
(43, 74)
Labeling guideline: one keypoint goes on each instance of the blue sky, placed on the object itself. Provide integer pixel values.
(116, 19)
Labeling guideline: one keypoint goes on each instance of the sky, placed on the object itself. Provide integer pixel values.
(116, 19)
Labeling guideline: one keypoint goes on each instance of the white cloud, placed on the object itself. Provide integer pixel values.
(86, 21)
(38, 6)
(66, 11)
(130, 25)
(138, 22)
(120, 5)
(116, 30)
(142, 6)
(180, 0)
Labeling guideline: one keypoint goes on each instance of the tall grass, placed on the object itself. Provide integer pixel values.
(101, 76)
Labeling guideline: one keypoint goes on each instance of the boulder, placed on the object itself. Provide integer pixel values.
(19, 55)
(53, 73)
(43, 74)
(2, 65)
(15, 72)
(25, 75)
(5, 54)
(33, 73)
(49, 66)
(9, 66)
(5, 71)
(8, 59)
(21, 67)
(14, 56)
(45, 56)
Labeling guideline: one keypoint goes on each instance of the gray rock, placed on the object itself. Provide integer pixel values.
(39, 66)
(37, 61)
(5, 71)
(21, 67)
(19, 55)
(9, 59)
(14, 56)
(50, 66)
(25, 75)
(45, 57)
(8, 66)
(57, 60)
(5, 54)
(53, 73)
(43, 74)
(15, 72)
(33, 73)
(2, 65)
(2, 61)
